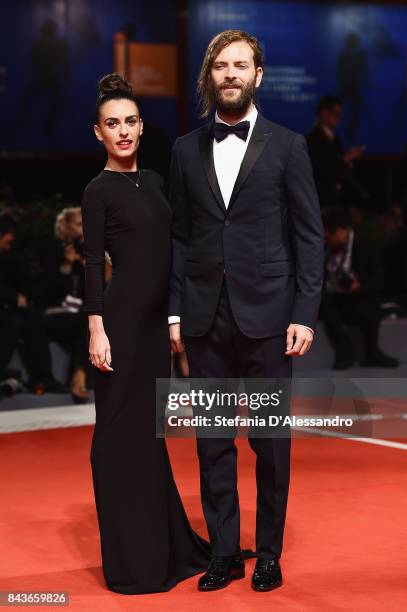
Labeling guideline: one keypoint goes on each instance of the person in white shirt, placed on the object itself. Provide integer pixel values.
(245, 284)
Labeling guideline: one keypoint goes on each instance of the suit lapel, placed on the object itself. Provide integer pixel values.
(259, 138)
(206, 149)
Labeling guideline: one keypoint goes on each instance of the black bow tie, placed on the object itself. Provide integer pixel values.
(222, 130)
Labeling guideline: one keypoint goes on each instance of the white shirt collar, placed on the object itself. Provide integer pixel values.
(330, 133)
(251, 116)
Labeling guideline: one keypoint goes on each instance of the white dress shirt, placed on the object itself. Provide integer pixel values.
(227, 157)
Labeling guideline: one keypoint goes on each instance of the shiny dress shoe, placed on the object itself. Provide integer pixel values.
(267, 575)
(221, 571)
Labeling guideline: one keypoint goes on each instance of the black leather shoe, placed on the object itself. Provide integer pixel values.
(221, 571)
(267, 575)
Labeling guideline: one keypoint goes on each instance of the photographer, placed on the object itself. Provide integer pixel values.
(333, 167)
(20, 322)
(353, 279)
(65, 319)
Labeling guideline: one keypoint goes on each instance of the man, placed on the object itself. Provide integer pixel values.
(332, 167)
(353, 279)
(18, 320)
(245, 284)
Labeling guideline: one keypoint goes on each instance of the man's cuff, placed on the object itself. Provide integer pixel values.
(306, 326)
(174, 319)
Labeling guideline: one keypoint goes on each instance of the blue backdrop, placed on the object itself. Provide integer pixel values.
(358, 52)
(53, 53)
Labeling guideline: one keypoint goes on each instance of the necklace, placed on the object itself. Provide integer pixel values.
(136, 182)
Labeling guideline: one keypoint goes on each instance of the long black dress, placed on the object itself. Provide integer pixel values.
(147, 544)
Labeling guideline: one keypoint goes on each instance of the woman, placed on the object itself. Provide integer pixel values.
(146, 541)
(65, 319)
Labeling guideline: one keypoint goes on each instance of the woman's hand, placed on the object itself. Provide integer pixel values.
(99, 345)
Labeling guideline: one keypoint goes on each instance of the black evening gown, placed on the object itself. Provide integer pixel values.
(147, 543)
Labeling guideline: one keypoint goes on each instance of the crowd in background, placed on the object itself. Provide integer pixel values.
(53, 311)
(42, 287)
(365, 263)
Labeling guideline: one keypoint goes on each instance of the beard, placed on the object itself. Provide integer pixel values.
(238, 103)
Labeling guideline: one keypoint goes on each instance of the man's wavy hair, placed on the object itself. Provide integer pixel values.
(206, 94)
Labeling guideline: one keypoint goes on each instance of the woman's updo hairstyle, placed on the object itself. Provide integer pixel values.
(113, 87)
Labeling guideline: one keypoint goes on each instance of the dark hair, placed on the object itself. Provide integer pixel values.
(334, 217)
(328, 103)
(219, 42)
(7, 225)
(113, 87)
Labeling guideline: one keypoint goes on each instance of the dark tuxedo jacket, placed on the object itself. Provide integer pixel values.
(268, 243)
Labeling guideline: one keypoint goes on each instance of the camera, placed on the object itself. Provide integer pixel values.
(344, 279)
(77, 244)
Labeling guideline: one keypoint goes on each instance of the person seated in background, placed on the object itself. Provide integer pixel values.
(332, 166)
(353, 280)
(65, 318)
(20, 322)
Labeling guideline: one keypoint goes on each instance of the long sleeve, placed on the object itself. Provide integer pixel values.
(93, 218)
(180, 233)
(307, 233)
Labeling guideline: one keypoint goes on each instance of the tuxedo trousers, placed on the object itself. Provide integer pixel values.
(225, 352)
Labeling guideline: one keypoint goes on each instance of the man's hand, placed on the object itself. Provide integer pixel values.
(175, 336)
(299, 339)
(354, 153)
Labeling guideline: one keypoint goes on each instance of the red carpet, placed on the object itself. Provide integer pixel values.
(345, 544)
